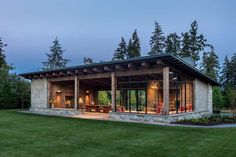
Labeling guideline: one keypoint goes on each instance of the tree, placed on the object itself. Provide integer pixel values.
(157, 41)
(103, 98)
(228, 81)
(23, 91)
(225, 78)
(172, 44)
(210, 63)
(192, 43)
(121, 51)
(185, 45)
(55, 58)
(218, 98)
(233, 70)
(2, 55)
(14, 91)
(230, 95)
(129, 48)
(134, 49)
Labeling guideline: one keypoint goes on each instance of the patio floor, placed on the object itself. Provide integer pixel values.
(93, 115)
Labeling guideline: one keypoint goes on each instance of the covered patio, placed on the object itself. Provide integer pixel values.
(141, 93)
(153, 85)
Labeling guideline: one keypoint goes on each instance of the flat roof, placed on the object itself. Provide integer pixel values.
(169, 59)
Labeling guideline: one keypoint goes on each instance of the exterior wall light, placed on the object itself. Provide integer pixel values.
(154, 84)
(81, 100)
(59, 91)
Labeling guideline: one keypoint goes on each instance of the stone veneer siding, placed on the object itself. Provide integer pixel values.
(39, 93)
(61, 112)
(157, 118)
(202, 96)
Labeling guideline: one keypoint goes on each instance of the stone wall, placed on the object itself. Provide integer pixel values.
(157, 118)
(39, 93)
(202, 96)
(61, 112)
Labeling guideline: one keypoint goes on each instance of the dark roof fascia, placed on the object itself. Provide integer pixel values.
(129, 60)
(133, 59)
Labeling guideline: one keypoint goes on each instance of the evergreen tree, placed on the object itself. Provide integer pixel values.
(193, 43)
(134, 49)
(185, 44)
(218, 98)
(225, 73)
(2, 55)
(157, 41)
(129, 48)
(210, 63)
(14, 91)
(172, 44)
(55, 58)
(228, 81)
(121, 51)
(233, 70)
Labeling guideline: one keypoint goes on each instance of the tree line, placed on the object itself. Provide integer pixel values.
(14, 90)
(189, 44)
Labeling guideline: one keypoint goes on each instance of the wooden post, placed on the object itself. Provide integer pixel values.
(76, 93)
(113, 91)
(166, 89)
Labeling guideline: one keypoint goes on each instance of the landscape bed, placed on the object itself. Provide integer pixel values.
(215, 119)
(27, 135)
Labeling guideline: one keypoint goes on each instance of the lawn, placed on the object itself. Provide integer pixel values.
(26, 135)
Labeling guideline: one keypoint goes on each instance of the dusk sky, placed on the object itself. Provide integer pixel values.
(93, 28)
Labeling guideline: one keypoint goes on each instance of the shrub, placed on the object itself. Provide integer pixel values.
(217, 118)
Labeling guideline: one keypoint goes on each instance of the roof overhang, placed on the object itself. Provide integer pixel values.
(131, 63)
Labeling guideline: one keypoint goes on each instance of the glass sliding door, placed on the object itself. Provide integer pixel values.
(180, 93)
(132, 101)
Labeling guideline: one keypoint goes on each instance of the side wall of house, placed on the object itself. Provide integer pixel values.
(39, 93)
(202, 96)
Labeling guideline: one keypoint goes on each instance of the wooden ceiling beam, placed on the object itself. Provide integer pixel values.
(107, 68)
(104, 82)
(55, 74)
(79, 72)
(145, 64)
(62, 73)
(131, 66)
(160, 61)
(96, 69)
(70, 73)
(119, 67)
(87, 70)
(48, 75)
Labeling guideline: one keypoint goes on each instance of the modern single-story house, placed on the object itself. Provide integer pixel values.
(160, 88)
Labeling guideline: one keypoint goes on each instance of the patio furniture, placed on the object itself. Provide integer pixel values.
(97, 108)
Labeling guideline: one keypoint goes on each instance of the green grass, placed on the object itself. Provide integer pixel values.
(26, 135)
